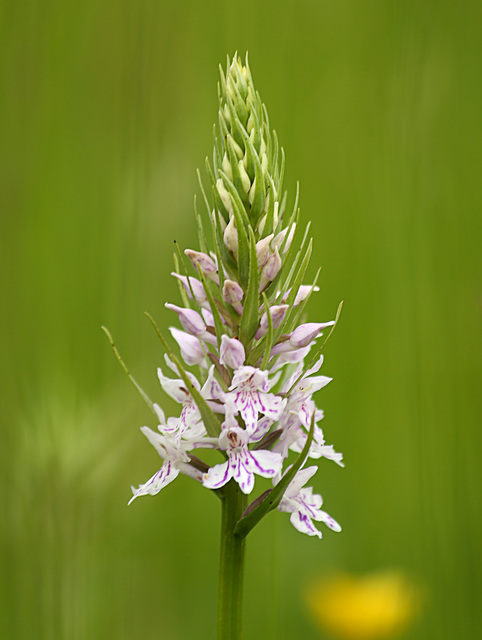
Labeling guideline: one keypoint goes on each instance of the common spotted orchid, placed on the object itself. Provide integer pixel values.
(247, 374)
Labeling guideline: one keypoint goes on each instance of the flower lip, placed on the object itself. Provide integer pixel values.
(242, 463)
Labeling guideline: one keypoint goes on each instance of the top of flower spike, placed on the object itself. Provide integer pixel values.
(252, 240)
(246, 155)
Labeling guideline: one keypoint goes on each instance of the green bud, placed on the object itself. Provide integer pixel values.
(244, 176)
(227, 167)
(246, 215)
(231, 237)
(224, 195)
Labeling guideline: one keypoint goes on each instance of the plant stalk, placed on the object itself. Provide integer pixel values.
(231, 565)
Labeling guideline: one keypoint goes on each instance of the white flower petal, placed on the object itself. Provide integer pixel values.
(261, 429)
(212, 389)
(166, 474)
(160, 414)
(271, 405)
(217, 476)
(241, 471)
(300, 479)
(155, 439)
(330, 522)
(265, 463)
(303, 523)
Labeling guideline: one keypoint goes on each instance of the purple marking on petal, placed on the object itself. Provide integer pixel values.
(259, 467)
(216, 484)
(270, 458)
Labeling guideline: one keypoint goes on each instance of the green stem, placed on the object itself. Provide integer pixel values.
(231, 565)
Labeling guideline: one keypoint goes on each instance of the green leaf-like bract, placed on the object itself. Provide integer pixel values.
(250, 317)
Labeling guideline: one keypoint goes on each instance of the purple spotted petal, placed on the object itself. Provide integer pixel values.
(261, 429)
(242, 473)
(265, 463)
(166, 474)
(217, 476)
(270, 405)
(329, 521)
(302, 523)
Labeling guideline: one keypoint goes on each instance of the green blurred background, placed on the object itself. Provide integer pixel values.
(106, 110)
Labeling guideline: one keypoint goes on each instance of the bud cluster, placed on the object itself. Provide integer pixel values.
(250, 397)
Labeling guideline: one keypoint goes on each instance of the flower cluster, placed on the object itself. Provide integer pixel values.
(256, 361)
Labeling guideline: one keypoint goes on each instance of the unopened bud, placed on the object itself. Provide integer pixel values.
(226, 166)
(261, 223)
(262, 150)
(303, 292)
(270, 269)
(191, 349)
(244, 176)
(231, 237)
(224, 195)
(262, 250)
(232, 292)
(278, 313)
(191, 321)
(231, 352)
(207, 317)
(218, 220)
(206, 264)
(237, 149)
(280, 238)
(227, 113)
(264, 161)
(252, 192)
(192, 286)
(303, 335)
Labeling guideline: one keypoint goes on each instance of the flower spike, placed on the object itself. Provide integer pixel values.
(247, 377)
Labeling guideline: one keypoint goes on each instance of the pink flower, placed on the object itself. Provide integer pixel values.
(304, 506)
(243, 463)
(249, 395)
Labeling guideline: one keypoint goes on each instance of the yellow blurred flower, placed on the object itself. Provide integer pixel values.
(377, 605)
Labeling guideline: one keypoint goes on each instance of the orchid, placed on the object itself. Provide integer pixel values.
(249, 396)
(304, 506)
(175, 458)
(248, 370)
(242, 463)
